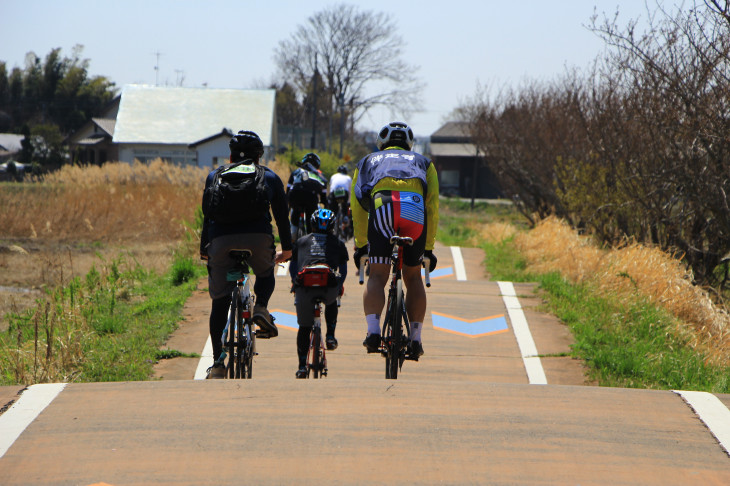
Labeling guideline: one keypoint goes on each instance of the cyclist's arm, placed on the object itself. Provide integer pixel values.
(206, 221)
(293, 265)
(279, 209)
(359, 216)
(432, 206)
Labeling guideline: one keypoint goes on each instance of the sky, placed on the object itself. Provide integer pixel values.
(456, 45)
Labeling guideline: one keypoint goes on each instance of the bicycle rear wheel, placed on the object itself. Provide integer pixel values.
(315, 351)
(249, 349)
(394, 333)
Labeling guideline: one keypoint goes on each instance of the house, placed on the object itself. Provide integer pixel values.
(214, 148)
(10, 146)
(462, 171)
(186, 126)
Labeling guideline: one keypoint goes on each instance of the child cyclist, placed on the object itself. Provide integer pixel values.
(320, 247)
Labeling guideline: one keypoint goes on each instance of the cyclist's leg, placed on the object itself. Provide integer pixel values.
(219, 288)
(305, 320)
(218, 318)
(410, 220)
(380, 229)
(330, 315)
(261, 262)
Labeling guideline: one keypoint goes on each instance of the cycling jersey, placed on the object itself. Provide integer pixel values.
(394, 170)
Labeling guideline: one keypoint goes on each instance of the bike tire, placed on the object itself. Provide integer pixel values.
(394, 334)
(249, 349)
(231, 338)
(316, 347)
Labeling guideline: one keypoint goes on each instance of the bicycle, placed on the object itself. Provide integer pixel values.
(316, 276)
(239, 335)
(396, 326)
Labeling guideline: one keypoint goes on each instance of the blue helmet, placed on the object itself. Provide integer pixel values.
(323, 221)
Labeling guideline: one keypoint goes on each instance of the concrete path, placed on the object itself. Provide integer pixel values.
(464, 414)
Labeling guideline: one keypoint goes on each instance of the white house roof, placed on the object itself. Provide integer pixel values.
(164, 115)
(11, 142)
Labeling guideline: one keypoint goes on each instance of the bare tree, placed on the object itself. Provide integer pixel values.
(358, 55)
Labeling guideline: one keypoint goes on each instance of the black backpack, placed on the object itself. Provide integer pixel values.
(237, 194)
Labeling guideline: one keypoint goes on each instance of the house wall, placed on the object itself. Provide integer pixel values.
(457, 173)
(213, 154)
(176, 154)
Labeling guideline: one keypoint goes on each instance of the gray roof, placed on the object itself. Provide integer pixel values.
(106, 124)
(164, 115)
(11, 142)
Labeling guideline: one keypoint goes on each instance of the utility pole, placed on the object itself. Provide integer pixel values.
(314, 105)
(342, 121)
(157, 68)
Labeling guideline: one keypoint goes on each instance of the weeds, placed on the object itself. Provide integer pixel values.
(106, 327)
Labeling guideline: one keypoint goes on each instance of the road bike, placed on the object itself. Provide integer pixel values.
(396, 331)
(239, 335)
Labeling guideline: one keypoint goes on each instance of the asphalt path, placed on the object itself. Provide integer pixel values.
(469, 412)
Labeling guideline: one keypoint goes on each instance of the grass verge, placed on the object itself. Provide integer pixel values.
(107, 326)
(624, 342)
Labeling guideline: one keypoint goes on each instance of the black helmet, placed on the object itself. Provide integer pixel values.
(311, 158)
(342, 169)
(395, 134)
(323, 221)
(246, 145)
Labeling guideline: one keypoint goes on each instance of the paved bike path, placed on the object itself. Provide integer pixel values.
(463, 414)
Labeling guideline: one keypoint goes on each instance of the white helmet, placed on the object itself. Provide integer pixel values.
(395, 134)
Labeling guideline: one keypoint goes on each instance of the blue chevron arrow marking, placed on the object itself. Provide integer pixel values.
(285, 319)
(439, 272)
(472, 328)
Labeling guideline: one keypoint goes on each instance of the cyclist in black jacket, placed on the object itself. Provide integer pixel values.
(319, 247)
(256, 234)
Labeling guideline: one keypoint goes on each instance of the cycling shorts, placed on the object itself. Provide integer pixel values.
(396, 212)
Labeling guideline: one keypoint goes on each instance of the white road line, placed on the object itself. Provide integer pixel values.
(533, 365)
(206, 361)
(712, 412)
(22, 413)
(459, 267)
(282, 269)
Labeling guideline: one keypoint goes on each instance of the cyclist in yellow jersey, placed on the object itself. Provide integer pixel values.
(393, 191)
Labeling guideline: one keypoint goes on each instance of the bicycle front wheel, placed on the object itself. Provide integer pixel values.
(394, 333)
(232, 338)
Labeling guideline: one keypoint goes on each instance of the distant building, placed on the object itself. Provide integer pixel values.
(462, 171)
(186, 126)
(10, 146)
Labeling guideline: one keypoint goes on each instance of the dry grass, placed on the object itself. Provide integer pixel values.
(113, 203)
(79, 216)
(629, 271)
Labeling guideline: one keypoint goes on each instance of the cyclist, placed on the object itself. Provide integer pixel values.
(394, 190)
(339, 196)
(243, 228)
(319, 247)
(340, 184)
(306, 189)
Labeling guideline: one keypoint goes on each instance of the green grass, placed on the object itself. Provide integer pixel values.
(623, 344)
(108, 326)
